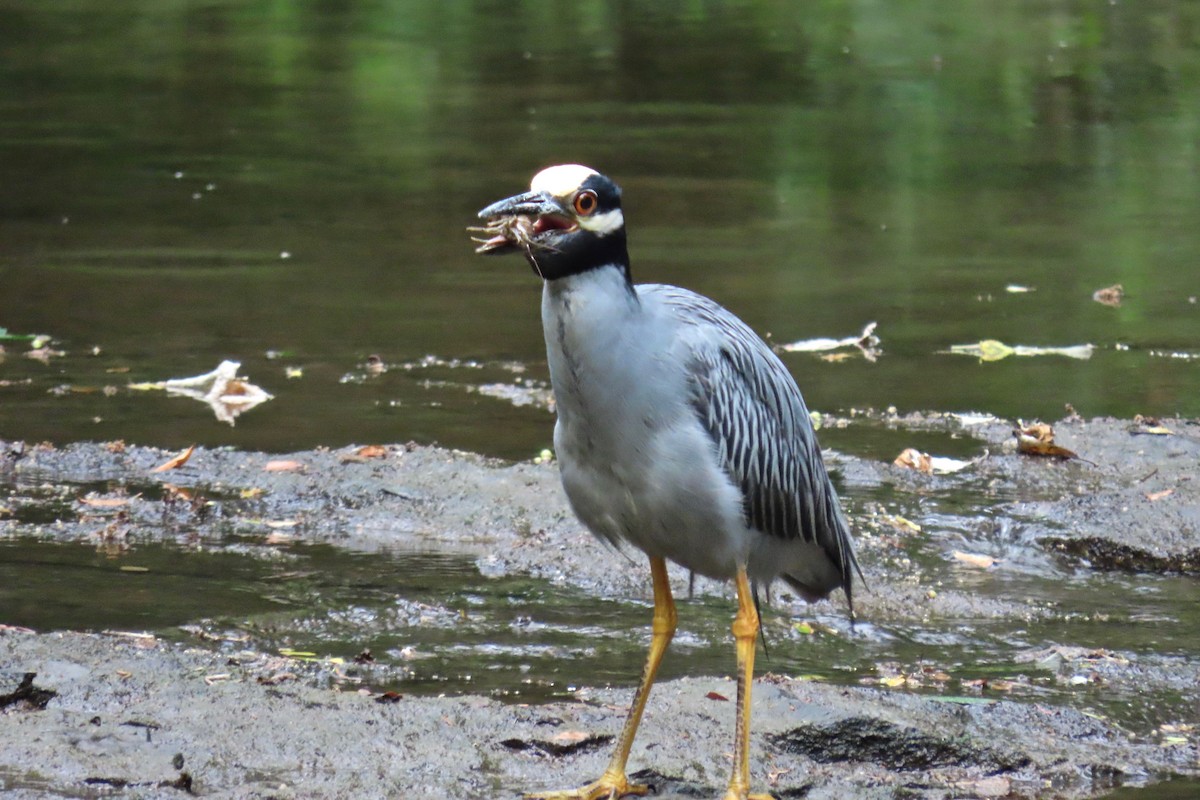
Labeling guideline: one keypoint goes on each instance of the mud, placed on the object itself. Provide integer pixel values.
(147, 717)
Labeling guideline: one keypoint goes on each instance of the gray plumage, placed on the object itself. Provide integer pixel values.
(681, 432)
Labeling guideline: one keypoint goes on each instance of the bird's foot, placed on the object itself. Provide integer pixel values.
(609, 786)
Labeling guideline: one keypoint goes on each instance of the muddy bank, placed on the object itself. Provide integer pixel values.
(1087, 700)
(150, 719)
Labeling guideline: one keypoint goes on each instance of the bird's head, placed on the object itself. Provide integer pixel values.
(568, 222)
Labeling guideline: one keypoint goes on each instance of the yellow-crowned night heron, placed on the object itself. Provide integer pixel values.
(679, 431)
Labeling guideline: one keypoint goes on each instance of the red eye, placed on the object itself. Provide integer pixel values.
(585, 202)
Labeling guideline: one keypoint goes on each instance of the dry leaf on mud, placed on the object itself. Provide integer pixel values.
(283, 466)
(1038, 440)
(176, 462)
(1149, 425)
(716, 696)
(1110, 295)
(104, 502)
(974, 559)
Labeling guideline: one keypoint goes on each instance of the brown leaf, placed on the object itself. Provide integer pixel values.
(913, 458)
(373, 451)
(389, 697)
(1110, 295)
(1038, 440)
(1038, 431)
(717, 696)
(283, 466)
(1153, 496)
(176, 462)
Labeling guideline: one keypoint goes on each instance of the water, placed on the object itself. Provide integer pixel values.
(191, 183)
(287, 185)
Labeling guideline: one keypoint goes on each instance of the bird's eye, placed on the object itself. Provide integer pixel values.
(585, 202)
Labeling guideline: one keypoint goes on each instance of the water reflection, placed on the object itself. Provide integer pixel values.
(213, 181)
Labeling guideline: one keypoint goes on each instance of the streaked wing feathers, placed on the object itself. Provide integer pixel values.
(749, 403)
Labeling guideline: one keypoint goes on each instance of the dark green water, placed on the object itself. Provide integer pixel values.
(287, 185)
(813, 169)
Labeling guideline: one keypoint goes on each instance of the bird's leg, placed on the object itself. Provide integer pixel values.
(745, 631)
(614, 783)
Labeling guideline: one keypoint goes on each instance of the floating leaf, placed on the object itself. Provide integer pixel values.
(911, 458)
(866, 342)
(1110, 295)
(225, 393)
(993, 350)
(986, 350)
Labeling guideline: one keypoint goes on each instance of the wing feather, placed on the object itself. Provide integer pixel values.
(750, 405)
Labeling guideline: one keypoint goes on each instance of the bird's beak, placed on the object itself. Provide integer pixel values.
(530, 204)
(516, 221)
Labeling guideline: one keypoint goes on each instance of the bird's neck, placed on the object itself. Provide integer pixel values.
(589, 319)
(583, 254)
(608, 286)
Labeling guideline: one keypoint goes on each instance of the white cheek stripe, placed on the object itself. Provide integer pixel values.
(603, 224)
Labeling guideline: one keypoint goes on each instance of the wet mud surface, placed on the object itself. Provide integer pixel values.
(1029, 629)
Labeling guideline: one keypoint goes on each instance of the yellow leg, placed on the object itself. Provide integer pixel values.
(745, 631)
(614, 783)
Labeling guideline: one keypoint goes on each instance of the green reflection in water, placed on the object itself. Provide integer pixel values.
(217, 181)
